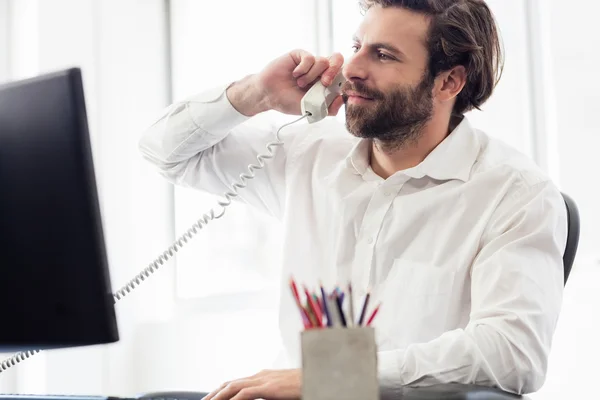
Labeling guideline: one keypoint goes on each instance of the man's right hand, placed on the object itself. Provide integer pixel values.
(282, 83)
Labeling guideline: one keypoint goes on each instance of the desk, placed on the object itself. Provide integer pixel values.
(438, 392)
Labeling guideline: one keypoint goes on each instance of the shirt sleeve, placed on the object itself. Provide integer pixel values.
(516, 293)
(206, 144)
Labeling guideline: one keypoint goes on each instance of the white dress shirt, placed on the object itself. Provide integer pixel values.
(464, 251)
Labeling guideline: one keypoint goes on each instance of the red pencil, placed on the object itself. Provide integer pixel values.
(314, 308)
(318, 302)
(372, 317)
(305, 316)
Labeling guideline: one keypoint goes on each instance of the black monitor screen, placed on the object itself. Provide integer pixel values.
(54, 282)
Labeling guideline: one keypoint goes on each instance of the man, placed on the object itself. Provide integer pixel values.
(457, 235)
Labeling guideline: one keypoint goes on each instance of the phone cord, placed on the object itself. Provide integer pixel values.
(183, 239)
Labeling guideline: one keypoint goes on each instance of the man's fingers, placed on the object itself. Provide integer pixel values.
(252, 393)
(336, 62)
(305, 61)
(309, 68)
(233, 388)
(320, 65)
(335, 106)
(212, 394)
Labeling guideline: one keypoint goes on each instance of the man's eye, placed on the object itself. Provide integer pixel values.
(355, 48)
(383, 56)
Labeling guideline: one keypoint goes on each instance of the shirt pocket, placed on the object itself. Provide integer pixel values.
(416, 297)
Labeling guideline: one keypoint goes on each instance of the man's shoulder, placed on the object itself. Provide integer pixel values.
(500, 159)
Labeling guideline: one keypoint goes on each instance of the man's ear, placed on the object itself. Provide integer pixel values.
(451, 82)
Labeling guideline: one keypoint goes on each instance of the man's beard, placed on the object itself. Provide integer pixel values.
(392, 119)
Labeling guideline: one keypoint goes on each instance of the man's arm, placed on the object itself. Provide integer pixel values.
(517, 287)
(207, 141)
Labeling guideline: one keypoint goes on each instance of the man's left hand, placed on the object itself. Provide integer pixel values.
(268, 385)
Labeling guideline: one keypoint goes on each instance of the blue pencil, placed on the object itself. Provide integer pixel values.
(326, 309)
(339, 304)
(364, 308)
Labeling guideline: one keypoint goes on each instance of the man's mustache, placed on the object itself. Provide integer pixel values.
(360, 89)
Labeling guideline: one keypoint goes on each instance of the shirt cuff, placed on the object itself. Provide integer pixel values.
(390, 366)
(212, 112)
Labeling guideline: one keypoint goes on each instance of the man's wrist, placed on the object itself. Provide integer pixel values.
(246, 97)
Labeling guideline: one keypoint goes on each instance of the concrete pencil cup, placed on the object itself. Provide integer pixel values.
(339, 363)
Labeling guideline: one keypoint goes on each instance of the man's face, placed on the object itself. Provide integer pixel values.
(388, 95)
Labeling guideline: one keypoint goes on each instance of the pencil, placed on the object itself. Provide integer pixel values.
(339, 293)
(305, 317)
(311, 316)
(339, 305)
(351, 300)
(313, 307)
(364, 308)
(318, 302)
(372, 317)
(334, 311)
(325, 307)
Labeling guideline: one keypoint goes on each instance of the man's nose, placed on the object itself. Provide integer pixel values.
(355, 68)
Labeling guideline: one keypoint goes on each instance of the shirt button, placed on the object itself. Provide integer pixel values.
(370, 241)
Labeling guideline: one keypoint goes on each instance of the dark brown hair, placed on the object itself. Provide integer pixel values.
(462, 32)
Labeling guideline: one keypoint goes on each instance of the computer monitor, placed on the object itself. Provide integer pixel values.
(54, 283)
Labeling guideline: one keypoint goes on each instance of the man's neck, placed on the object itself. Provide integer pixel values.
(385, 162)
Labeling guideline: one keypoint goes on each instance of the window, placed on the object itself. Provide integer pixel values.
(573, 38)
(239, 252)
(4, 41)
(570, 34)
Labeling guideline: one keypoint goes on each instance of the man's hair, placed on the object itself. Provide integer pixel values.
(462, 32)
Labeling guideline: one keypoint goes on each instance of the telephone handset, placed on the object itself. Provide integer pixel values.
(314, 106)
(318, 98)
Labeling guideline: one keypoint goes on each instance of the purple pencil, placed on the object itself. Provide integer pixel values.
(325, 307)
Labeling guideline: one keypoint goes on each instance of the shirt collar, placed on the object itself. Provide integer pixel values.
(359, 157)
(453, 158)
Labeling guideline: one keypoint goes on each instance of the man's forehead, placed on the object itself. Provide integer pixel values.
(396, 25)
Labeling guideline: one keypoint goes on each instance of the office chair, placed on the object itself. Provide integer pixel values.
(572, 235)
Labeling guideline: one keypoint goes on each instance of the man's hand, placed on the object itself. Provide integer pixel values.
(282, 83)
(268, 385)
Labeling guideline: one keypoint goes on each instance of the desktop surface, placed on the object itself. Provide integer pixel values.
(437, 392)
(58, 397)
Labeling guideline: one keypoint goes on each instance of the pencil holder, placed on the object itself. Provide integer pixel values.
(339, 363)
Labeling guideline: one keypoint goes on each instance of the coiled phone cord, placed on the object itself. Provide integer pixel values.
(183, 239)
